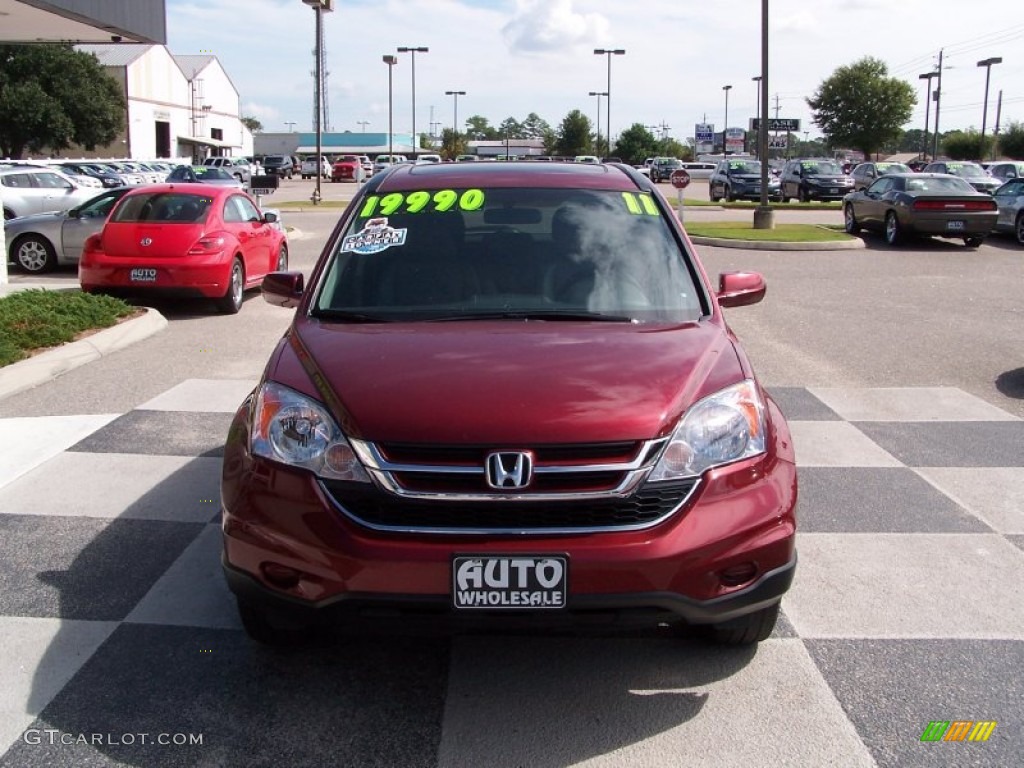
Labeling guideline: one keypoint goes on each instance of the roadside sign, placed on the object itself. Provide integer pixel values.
(704, 133)
(679, 178)
(789, 124)
(776, 142)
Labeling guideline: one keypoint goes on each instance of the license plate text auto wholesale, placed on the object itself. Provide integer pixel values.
(142, 275)
(955, 224)
(519, 581)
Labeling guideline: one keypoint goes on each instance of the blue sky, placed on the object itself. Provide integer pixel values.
(517, 56)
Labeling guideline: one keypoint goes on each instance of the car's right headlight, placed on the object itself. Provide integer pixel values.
(720, 429)
(293, 429)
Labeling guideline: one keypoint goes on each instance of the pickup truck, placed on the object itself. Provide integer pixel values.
(238, 167)
(308, 168)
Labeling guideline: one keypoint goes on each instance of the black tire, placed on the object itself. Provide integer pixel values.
(232, 299)
(1018, 228)
(849, 220)
(745, 630)
(805, 195)
(893, 231)
(711, 193)
(974, 241)
(728, 195)
(270, 630)
(282, 259)
(33, 254)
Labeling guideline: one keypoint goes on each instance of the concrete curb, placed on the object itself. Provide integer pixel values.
(25, 374)
(762, 245)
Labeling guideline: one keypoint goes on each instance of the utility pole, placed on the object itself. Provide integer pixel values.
(995, 133)
(938, 101)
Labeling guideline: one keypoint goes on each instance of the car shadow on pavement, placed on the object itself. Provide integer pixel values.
(1011, 383)
(149, 642)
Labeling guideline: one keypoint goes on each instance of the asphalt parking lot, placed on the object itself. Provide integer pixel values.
(902, 373)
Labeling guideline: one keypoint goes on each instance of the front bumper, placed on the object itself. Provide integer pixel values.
(279, 520)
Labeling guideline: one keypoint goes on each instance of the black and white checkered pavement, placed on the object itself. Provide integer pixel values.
(119, 643)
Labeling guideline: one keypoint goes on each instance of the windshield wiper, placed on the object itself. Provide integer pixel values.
(538, 314)
(346, 316)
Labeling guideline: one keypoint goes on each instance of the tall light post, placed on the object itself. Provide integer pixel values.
(455, 119)
(927, 109)
(291, 125)
(390, 60)
(319, 6)
(725, 128)
(987, 64)
(362, 124)
(938, 103)
(599, 94)
(757, 111)
(413, 51)
(609, 52)
(764, 216)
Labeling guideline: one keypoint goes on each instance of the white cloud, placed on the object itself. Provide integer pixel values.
(541, 26)
(263, 112)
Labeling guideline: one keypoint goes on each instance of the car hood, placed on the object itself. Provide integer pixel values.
(748, 177)
(34, 220)
(829, 178)
(509, 382)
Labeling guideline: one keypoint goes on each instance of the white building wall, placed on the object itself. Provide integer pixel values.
(157, 91)
(225, 109)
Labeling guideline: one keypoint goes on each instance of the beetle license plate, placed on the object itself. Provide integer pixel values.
(513, 582)
(955, 225)
(142, 275)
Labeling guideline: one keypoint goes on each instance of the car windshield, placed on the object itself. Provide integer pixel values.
(745, 166)
(524, 254)
(967, 170)
(209, 173)
(163, 207)
(892, 168)
(821, 168)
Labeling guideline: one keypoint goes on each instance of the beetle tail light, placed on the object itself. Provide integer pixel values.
(207, 246)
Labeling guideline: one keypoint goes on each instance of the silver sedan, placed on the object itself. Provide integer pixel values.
(1010, 200)
(40, 242)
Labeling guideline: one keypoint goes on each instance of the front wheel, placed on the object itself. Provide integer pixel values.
(893, 231)
(850, 221)
(34, 254)
(974, 241)
(745, 630)
(805, 195)
(1018, 228)
(282, 259)
(231, 301)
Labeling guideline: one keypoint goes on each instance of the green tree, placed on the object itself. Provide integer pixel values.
(253, 124)
(861, 107)
(452, 144)
(574, 135)
(52, 96)
(1011, 141)
(669, 147)
(635, 144)
(534, 127)
(966, 145)
(479, 128)
(511, 128)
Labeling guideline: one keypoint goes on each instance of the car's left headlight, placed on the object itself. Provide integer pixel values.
(720, 429)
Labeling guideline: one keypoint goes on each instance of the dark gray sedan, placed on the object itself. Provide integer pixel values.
(40, 242)
(938, 204)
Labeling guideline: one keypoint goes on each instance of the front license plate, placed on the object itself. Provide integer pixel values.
(955, 225)
(514, 582)
(142, 275)
(833, 191)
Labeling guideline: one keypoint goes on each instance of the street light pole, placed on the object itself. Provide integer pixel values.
(390, 61)
(291, 125)
(599, 94)
(609, 52)
(319, 6)
(764, 216)
(927, 108)
(413, 52)
(362, 124)
(455, 119)
(938, 103)
(725, 128)
(987, 64)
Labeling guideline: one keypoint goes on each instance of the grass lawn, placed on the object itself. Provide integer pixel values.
(31, 320)
(747, 205)
(784, 233)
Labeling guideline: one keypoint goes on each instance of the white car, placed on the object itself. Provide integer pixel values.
(32, 189)
(308, 168)
(386, 161)
(423, 159)
(238, 167)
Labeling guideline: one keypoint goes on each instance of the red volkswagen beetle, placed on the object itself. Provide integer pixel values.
(192, 240)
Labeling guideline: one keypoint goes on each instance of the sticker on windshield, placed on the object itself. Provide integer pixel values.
(375, 237)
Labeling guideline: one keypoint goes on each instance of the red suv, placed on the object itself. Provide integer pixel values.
(509, 388)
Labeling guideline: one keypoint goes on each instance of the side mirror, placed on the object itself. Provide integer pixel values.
(283, 289)
(270, 217)
(738, 289)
